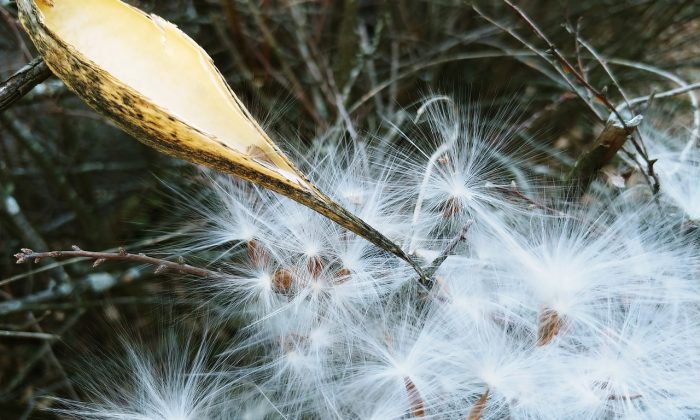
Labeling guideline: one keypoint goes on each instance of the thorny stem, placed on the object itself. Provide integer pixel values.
(100, 257)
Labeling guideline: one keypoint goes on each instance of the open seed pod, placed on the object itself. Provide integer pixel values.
(157, 84)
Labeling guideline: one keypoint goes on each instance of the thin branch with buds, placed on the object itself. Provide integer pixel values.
(598, 95)
(564, 67)
(100, 257)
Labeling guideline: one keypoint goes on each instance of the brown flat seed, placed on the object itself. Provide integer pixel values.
(478, 409)
(282, 281)
(314, 265)
(257, 254)
(342, 275)
(414, 398)
(451, 208)
(549, 325)
(257, 153)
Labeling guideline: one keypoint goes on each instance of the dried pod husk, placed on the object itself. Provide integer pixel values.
(158, 85)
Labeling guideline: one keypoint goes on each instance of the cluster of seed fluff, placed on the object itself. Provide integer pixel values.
(547, 306)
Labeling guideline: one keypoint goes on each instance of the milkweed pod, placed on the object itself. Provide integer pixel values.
(158, 85)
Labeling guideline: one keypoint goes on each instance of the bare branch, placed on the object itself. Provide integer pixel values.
(20, 83)
(513, 191)
(39, 355)
(100, 257)
(437, 262)
(565, 67)
(26, 334)
(666, 93)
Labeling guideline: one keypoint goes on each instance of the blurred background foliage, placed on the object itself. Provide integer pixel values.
(310, 70)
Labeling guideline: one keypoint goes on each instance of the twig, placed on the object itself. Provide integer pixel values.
(101, 303)
(559, 68)
(577, 44)
(624, 397)
(695, 133)
(296, 86)
(29, 364)
(53, 359)
(603, 63)
(565, 67)
(20, 83)
(563, 61)
(10, 206)
(26, 334)
(666, 93)
(305, 49)
(513, 191)
(14, 26)
(27, 138)
(139, 244)
(52, 293)
(641, 144)
(437, 262)
(100, 257)
(596, 93)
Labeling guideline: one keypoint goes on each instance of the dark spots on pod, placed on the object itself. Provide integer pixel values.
(93, 78)
(74, 65)
(126, 100)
